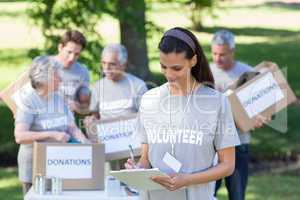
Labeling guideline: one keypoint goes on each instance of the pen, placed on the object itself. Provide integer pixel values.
(132, 155)
(131, 152)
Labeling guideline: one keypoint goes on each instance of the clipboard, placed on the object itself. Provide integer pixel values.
(139, 179)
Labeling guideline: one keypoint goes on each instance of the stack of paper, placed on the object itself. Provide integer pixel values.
(139, 178)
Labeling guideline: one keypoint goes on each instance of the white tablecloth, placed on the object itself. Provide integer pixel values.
(77, 195)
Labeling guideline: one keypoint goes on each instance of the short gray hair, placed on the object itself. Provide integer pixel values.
(119, 49)
(41, 69)
(224, 37)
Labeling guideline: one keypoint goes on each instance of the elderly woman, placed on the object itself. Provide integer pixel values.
(42, 115)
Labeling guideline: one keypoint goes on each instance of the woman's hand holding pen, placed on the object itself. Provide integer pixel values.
(172, 182)
(143, 161)
(130, 164)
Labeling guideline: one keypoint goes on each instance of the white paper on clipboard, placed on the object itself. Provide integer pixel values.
(139, 178)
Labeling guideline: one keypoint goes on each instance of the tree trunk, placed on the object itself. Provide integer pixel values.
(131, 14)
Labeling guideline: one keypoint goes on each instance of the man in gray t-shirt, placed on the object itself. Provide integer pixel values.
(118, 93)
(73, 73)
(226, 70)
(73, 77)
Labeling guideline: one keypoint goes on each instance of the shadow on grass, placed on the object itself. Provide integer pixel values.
(12, 193)
(269, 186)
(253, 31)
(6, 173)
(12, 14)
(17, 57)
(284, 5)
(275, 187)
(289, 6)
(8, 147)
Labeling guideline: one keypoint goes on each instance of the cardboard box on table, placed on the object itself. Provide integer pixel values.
(265, 94)
(117, 134)
(81, 166)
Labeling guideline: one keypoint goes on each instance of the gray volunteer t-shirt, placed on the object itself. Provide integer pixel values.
(50, 114)
(40, 114)
(72, 78)
(114, 99)
(223, 79)
(206, 126)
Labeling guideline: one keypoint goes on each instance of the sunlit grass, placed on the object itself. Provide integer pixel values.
(260, 187)
(10, 187)
(269, 187)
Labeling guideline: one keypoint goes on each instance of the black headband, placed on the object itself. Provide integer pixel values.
(181, 36)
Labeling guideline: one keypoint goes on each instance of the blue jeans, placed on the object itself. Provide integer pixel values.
(236, 183)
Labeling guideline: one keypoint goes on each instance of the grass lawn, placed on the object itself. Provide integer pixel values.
(10, 187)
(263, 187)
(269, 187)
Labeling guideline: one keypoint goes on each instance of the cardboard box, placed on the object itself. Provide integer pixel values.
(11, 95)
(8, 93)
(81, 166)
(265, 94)
(116, 134)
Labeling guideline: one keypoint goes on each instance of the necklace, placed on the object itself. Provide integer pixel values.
(184, 111)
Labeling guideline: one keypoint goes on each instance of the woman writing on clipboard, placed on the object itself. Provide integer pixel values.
(185, 122)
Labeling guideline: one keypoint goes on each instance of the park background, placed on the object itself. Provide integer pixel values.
(265, 30)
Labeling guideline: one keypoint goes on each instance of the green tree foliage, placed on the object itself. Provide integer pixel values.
(56, 16)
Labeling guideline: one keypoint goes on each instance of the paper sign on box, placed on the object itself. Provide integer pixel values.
(69, 163)
(117, 134)
(260, 95)
(80, 165)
